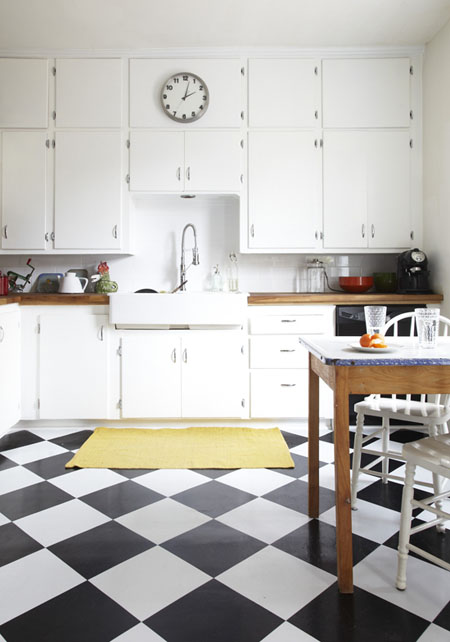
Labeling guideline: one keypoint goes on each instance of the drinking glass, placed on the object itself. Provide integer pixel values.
(375, 318)
(427, 321)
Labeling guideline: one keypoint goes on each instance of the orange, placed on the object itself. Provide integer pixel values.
(379, 345)
(377, 336)
(365, 340)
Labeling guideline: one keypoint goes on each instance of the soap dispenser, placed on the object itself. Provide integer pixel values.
(216, 281)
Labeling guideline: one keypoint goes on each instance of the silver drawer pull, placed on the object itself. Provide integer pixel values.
(174, 355)
(288, 320)
(288, 385)
(284, 350)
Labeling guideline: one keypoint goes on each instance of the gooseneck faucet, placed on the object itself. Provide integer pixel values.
(195, 258)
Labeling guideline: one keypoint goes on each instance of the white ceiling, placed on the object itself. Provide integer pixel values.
(147, 24)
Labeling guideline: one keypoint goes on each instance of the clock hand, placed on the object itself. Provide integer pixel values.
(191, 94)
(186, 92)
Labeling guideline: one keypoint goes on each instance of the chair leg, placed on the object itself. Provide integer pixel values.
(357, 456)
(405, 526)
(385, 446)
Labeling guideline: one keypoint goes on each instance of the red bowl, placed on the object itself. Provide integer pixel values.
(356, 284)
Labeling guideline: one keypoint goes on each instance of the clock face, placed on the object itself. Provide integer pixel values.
(184, 97)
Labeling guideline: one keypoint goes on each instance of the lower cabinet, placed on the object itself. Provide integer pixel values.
(74, 376)
(186, 374)
(9, 367)
(279, 364)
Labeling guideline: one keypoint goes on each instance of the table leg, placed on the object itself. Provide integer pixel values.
(313, 443)
(342, 482)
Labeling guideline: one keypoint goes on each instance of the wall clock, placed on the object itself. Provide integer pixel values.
(184, 97)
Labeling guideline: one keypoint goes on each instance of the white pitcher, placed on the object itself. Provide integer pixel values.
(71, 284)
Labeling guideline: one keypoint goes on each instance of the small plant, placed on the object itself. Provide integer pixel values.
(103, 268)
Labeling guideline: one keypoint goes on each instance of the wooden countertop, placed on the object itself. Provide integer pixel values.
(336, 298)
(254, 298)
(32, 298)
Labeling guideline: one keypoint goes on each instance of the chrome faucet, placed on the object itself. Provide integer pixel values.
(195, 258)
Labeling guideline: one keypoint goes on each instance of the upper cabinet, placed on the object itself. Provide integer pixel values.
(88, 190)
(371, 92)
(367, 189)
(23, 92)
(150, 80)
(89, 92)
(284, 93)
(25, 193)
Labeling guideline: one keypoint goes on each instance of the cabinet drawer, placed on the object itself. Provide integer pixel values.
(277, 352)
(277, 393)
(289, 324)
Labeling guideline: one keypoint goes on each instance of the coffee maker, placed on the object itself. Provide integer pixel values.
(412, 272)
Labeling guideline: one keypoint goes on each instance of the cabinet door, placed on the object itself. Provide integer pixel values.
(388, 189)
(284, 190)
(88, 92)
(222, 77)
(279, 393)
(345, 189)
(213, 161)
(214, 370)
(151, 375)
(371, 92)
(23, 92)
(283, 93)
(157, 161)
(9, 368)
(24, 190)
(73, 366)
(88, 190)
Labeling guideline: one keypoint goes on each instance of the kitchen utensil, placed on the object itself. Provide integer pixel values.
(4, 285)
(355, 284)
(146, 291)
(315, 276)
(412, 272)
(375, 318)
(385, 281)
(71, 284)
(179, 287)
(13, 277)
(48, 282)
(427, 321)
(81, 273)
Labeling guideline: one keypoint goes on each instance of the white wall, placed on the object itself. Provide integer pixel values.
(436, 134)
(157, 223)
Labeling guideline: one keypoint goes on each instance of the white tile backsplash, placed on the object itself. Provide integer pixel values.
(157, 223)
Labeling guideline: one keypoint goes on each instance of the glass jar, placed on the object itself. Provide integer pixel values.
(315, 276)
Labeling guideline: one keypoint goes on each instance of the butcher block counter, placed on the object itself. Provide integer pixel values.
(254, 298)
(337, 298)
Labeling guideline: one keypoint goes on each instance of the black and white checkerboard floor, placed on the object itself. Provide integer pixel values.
(200, 556)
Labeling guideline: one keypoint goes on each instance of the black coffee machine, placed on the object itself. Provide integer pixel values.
(412, 272)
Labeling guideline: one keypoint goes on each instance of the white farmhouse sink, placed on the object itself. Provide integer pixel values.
(179, 310)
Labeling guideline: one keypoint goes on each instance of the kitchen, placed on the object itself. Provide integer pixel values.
(63, 227)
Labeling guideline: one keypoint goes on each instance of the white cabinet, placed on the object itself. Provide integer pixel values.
(151, 375)
(74, 373)
(89, 92)
(203, 161)
(23, 92)
(284, 93)
(201, 374)
(371, 92)
(88, 190)
(222, 76)
(279, 364)
(24, 180)
(367, 189)
(284, 190)
(9, 366)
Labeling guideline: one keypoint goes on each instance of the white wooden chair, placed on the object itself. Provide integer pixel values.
(431, 415)
(432, 453)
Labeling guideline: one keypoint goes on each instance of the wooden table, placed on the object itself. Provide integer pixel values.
(346, 371)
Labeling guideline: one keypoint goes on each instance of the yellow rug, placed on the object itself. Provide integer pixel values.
(183, 448)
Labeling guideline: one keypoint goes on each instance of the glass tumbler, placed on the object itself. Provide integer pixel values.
(375, 318)
(427, 321)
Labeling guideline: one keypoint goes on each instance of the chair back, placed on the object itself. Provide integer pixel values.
(443, 331)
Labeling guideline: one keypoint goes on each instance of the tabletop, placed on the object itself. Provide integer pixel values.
(403, 351)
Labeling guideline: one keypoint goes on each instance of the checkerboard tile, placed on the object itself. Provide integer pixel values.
(190, 556)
